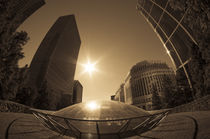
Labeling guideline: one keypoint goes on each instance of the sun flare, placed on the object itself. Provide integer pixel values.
(92, 105)
(89, 67)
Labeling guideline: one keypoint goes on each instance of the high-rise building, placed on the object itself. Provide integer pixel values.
(119, 95)
(56, 58)
(113, 97)
(142, 78)
(22, 9)
(77, 92)
(174, 34)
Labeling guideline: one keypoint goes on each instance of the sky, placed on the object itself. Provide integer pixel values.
(113, 34)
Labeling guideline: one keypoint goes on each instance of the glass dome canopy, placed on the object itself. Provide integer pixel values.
(100, 119)
(101, 110)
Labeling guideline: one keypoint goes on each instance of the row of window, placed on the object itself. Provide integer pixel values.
(142, 101)
(143, 86)
(148, 67)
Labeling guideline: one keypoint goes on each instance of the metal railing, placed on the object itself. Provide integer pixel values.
(86, 128)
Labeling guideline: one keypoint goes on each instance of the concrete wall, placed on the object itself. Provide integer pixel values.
(8, 106)
(201, 104)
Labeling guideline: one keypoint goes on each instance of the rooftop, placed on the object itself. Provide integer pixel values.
(99, 119)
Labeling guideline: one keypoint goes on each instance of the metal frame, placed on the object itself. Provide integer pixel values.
(179, 24)
(64, 126)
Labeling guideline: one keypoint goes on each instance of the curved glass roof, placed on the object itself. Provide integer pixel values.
(101, 110)
(174, 33)
(100, 119)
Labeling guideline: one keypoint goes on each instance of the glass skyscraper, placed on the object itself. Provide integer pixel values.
(22, 9)
(174, 34)
(56, 58)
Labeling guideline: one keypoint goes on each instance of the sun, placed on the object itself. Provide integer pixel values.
(92, 105)
(89, 67)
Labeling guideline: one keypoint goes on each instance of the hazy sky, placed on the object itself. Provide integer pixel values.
(112, 32)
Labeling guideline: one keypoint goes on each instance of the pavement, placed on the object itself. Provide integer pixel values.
(186, 125)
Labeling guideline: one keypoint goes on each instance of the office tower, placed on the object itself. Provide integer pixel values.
(174, 34)
(56, 58)
(142, 78)
(22, 9)
(77, 92)
(113, 97)
(119, 95)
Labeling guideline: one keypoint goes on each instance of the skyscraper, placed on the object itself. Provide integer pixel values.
(77, 92)
(22, 9)
(175, 35)
(56, 58)
(119, 95)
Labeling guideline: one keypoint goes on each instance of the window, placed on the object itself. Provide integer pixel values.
(167, 24)
(156, 13)
(173, 54)
(182, 43)
(161, 34)
(152, 22)
(148, 5)
(161, 3)
(175, 13)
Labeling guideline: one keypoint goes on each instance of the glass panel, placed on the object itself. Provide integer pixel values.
(175, 13)
(173, 54)
(148, 5)
(181, 74)
(161, 3)
(110, 126)
(152, 22)
(141, 2)
(167, 24)
(163, 37)
(156, 13)
(185, 25)
(144, 13)
(182, 43)
(188, 70)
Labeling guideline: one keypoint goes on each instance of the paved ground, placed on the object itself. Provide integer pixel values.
(23, 126)
(189, 125)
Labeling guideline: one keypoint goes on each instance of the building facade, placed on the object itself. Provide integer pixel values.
(22, 9)
(174, 34)
(113, 97)
(140, 80)
(56, 58)
(119, 95)
(77, 92)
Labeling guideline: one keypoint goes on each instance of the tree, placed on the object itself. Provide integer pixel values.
(172, 94)
(197, 18)
(183, 86)
(24, 96)
(156, 101)
(196, 69)
(168, 89)
(11, 43)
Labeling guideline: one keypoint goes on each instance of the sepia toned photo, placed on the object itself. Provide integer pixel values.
(104, 69)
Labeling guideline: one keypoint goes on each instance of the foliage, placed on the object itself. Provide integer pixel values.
(42, 100)
(183, 86)
(24, 96)
(196, 69)
(172, 95)
(197, 18)
(11, 43)
(156, 101)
